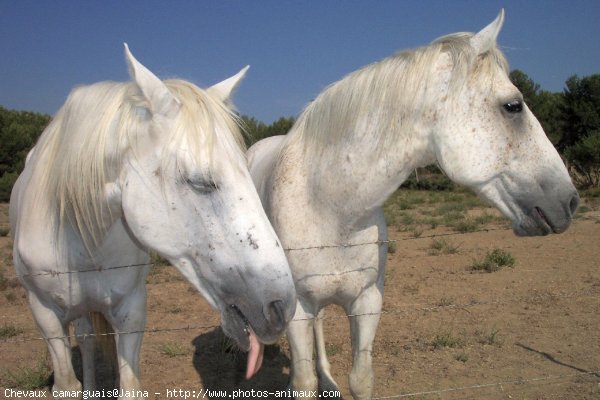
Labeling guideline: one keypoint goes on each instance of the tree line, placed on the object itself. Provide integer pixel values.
(570, 118)
(19, 130)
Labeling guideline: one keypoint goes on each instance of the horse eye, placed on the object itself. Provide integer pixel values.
(513, 107)
(202, 186)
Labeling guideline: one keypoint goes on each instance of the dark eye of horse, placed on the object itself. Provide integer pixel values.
(202, 186)
(514, 106)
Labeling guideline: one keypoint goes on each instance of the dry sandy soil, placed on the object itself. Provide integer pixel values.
(527, 332)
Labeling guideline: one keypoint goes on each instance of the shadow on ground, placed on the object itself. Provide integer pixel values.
(222, 366)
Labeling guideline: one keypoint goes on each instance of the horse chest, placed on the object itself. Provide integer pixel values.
(330, 263)
(89, 291)
(334, 275)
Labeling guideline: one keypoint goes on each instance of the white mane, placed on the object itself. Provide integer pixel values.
(83, 147)
(394, 88)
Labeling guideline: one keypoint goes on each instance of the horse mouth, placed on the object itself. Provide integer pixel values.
(546, 223)
(246, 324)
(542, 221)
(249, 341)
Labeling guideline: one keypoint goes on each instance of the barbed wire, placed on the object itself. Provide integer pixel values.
(423, 306)
(519, 381)
(93, 269)
(312, 247)
(400, 309)
(381, 242)
(92, 335)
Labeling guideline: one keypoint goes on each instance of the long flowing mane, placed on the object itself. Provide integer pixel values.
(82, 149)
(393, 90)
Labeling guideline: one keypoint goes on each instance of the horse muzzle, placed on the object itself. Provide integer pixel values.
(547, 217)
(268, 321)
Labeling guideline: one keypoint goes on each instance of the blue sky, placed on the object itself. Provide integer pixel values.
(295, 48)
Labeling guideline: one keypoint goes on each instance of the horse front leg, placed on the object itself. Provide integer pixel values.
(51, 327)
(326, 381)
(130, 317)
(364, 313)
(300, 337)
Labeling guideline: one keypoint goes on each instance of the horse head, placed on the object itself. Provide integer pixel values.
(489, 140)
(186, 193)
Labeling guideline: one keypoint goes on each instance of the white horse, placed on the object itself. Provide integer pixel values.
(325, 182)
(128, 167)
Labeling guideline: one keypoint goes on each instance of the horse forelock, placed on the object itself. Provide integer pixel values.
(204, 124)
(83, 148)
(394, 91)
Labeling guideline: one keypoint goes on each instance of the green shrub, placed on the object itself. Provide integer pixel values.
(392, 247)
(429, 178)
(172, 349)
(27, 378)
(490, 338)
(442, 246)
(450, 207)
(8, 331)
(465, 225)
(494, 261)
(446, 339)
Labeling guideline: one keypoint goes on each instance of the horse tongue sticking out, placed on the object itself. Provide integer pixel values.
(255, 354)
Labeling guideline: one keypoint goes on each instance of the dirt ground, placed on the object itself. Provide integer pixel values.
(447, 332)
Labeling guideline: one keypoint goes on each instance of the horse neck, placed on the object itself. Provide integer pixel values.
(353, 178)
(366, 134)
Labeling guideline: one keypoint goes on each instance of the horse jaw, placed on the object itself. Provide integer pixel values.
(537, 212)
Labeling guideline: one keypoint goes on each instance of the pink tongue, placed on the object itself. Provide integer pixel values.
(255, 355)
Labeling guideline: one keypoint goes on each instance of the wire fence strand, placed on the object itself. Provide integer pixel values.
(92, 335)
(101, 268)
(93, 269)
(402, 308)
(381, 242)
(490, 385)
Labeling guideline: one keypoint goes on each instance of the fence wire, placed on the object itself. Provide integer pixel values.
(400, 309)
(311, 247)
(403, 308)
(490, 385)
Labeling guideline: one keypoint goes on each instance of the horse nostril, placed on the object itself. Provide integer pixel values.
(574, 203)
(276, 314)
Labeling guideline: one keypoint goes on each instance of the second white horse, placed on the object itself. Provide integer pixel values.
(324, 183)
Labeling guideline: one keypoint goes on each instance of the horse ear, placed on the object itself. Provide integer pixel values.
(485, 40)
(224, 90)
(154, 90)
